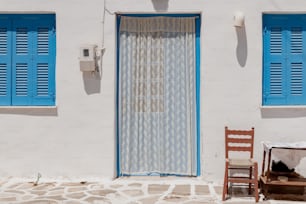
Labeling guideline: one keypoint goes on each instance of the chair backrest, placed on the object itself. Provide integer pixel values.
(239, 140)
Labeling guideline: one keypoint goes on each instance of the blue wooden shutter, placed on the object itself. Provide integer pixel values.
(22, 57)
(284, 69)
(5, 61)
(34, 60)
(274, 87)
(44, 62)
(296, 62)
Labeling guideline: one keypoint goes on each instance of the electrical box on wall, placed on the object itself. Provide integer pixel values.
(88, 58)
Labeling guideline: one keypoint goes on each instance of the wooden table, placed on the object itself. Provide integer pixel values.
(270, 179)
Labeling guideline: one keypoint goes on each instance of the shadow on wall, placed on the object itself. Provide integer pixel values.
(160, 5)
(242, 46)
(92, 82)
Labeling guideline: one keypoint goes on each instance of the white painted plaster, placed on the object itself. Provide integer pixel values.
(77, 138)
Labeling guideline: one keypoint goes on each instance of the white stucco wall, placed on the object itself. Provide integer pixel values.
(77, 138)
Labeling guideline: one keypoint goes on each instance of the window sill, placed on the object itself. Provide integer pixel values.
(30, 110)
(297, 107)
(283, 111)
(28, 107)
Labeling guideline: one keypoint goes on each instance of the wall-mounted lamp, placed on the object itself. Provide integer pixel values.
(239, 19)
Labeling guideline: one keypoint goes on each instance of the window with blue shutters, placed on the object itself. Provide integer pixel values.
(284, 59)
(27, 59)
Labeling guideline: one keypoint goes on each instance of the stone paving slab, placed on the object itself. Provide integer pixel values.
(119, 191)
(202, 190)
(157, 188)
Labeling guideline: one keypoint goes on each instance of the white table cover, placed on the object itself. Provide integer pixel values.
(291, 155)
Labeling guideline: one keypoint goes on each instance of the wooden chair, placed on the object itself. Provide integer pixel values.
(240, 141)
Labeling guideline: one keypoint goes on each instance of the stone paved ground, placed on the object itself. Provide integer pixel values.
(119, 191)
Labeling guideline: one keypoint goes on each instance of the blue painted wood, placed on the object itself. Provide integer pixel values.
(5, 62)
(44, 63)
(22, 62)
(198, 91)
(118, 166)
(284, 65)
(31, 71)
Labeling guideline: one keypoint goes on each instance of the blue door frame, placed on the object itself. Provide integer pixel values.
(198, 74)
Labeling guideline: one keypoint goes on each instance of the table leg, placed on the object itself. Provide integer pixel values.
(269, 163)
(263, 163)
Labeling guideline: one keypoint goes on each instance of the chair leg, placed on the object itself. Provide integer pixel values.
(225, 184)
(250, 177)
(256, 182)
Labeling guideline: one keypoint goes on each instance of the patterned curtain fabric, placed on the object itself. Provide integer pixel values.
(157, 110)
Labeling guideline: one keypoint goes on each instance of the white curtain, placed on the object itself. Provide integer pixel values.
(157, 94)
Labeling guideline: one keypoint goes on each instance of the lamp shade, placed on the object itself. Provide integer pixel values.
(239, 19)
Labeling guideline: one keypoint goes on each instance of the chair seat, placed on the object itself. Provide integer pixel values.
(240, 162)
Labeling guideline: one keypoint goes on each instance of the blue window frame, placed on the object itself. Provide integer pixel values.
(27, 59)
(284, 49)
